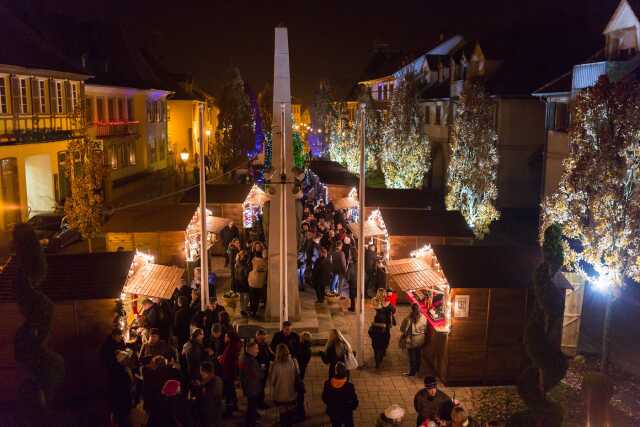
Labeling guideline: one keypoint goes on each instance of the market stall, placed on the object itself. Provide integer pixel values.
(375, 232)
(350, 204)
(192, 233)
(475, 301)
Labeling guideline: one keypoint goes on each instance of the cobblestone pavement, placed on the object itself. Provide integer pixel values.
(376, 388)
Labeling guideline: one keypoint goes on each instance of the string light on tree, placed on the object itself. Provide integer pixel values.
(473, 168)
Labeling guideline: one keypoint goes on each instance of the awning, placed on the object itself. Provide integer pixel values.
(371, 229)
(346, 203)
(413, 273)
(154, 280)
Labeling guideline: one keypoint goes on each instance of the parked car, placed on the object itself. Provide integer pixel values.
(53, 231)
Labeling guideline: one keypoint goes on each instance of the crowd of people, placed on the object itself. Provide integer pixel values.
(184, 363)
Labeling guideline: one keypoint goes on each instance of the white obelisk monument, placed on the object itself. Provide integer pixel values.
(282, 298)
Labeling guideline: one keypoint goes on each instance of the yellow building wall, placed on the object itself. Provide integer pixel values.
(21, 153)
(183, 115)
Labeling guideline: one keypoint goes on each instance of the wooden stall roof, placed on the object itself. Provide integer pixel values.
(370, 229)
(412, 273)
(256, 196)
(333, 173)
(219, 193)
(76, 276)
(150, 218)
(488, 266)
(216, 223)
(346, 203)
(154, 280)
(423, 222)
(403, 198)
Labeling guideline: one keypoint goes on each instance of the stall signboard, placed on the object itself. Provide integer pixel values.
(461, 306)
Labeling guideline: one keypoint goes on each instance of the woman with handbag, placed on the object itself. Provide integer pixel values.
(337, 350)
(284, 381)
(340, 397)
(413, 337)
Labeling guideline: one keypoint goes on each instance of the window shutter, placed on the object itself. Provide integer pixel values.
(68, 108)
(15, 95)
(53, 97)
(35, 96)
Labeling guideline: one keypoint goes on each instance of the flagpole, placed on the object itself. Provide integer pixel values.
(361, 238)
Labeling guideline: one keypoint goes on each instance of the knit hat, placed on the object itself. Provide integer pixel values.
(394, 412)
(171, 388)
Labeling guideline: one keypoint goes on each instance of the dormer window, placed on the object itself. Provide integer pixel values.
(622, 44)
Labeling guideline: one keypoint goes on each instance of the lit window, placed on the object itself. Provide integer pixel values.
(59, 98)
(74, 95)
(3, 96)
(24, 101)
(121, 110)
(42, 96)
(132, 153)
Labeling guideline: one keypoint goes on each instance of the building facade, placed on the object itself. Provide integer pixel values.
(38, 117)
(619, 58)
(131, 123)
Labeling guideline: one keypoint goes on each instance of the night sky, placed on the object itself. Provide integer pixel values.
(328, 39)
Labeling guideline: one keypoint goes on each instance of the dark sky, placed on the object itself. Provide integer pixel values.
(327, 39)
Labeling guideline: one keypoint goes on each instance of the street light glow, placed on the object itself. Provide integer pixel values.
(184, 155)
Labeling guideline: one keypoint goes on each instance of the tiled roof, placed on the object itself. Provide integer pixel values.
(488, 266)
(219, 193)
(22, 46)
(150, 218)
(76, 276)
(422, 222)
(154, 280)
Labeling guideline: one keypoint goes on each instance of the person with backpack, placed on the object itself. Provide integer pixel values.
(413, 337)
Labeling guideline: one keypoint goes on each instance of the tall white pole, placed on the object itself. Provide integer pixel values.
(361, 256)
(284, 255)
(204, 257)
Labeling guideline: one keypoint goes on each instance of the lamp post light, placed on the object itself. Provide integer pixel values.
(184, 158)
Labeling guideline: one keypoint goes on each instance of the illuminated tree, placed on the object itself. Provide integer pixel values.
(405, 149)
(598, 199)
(298, 150)
(265, 105)
(84, 206)
(236, 125)
(473, 168)
(323, 116)
(343, 143)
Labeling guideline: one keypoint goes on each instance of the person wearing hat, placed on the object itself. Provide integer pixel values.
(431, 403)
(392, 416)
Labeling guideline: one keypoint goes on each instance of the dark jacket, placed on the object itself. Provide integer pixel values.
(108, 353)
(264, 355)
(379, 336)
(241, 276)
(229, 360)
(292, 341)
(431, 407)
(194, 355)
(153, 317)
(181, 321)
(209, 403)
(321, 275)
(251, 376)
(227, 234)
(340, 397)
(120, 387)
(339, 262)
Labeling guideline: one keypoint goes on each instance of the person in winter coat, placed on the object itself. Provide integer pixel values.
(209, 397)
(227, 234)
(321, 276)
(431, 403)
(334, 351)
(232, 253)
(251, 378)
(241, 280)
(155, 346)
(413, 336)
(304, 354)
(340, 397)
(265, 356)
(383, 306)
(370, 258)
(339, 263)
(181, 321)
(379, 333)
(287, 337)
(120, 390)
(194, 354)
(459, 418)
(283, 380)
(151, 314)
(352, 280)
(391, 417)
(229, 363)
(110, 347)
(257, 279)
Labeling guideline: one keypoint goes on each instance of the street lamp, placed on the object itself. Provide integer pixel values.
(208, 132)
(184, 155)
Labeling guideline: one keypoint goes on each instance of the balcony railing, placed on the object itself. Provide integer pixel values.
(113, 129)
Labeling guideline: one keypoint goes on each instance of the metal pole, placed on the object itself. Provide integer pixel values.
(204, 257)
(284, 249)
(361, 256)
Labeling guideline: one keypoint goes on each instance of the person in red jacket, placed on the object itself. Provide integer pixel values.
(229, 363)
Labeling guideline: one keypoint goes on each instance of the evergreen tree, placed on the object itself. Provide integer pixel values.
(473, 169)
(548, 365)
(235, 121)
(323, 117)
(265, 105)
(405, 148)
